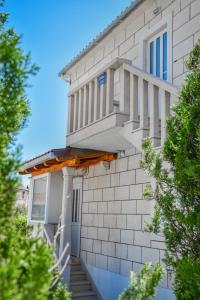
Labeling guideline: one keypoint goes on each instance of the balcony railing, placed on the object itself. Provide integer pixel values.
(93, 101)
(142, 100)
(149, 100)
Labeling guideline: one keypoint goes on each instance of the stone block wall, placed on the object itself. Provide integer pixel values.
(124, 40)
(114, 216)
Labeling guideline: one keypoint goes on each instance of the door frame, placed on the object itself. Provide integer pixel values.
(77, 183)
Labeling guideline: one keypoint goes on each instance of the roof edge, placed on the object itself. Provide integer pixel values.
(101, 35)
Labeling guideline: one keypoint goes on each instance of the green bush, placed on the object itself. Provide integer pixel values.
(177, 192)
(143, 286)
(24, 260)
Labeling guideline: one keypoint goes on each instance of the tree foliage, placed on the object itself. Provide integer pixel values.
(24, 260)
(177, 192)
(143, 286)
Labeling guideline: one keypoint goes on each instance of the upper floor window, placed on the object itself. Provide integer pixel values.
(157, 55)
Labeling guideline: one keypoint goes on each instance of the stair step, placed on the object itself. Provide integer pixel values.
(80, 286)
(89, 295)
(74, 260)
(77, 275)
(76, 267)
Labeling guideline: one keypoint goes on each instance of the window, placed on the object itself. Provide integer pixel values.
(165, 56)
(157, 55)
(75, 206)
(151, 57)
(39, 199)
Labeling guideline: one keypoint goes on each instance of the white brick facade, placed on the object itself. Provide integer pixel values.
(118, 242)
(114, 212)
(124, 40)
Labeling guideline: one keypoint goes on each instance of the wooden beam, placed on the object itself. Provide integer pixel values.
(59, 159)
(88, 163)
(83, 161)
(105, 157)
(57, 167)
(91, 155)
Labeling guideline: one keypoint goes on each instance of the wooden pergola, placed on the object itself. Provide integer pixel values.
(55, 159)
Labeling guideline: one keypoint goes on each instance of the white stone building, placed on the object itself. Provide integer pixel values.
(121, 88)
(22, 196)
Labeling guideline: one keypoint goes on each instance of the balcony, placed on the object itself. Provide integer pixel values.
(118, 107)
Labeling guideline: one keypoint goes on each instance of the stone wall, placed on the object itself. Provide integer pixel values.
(114, 214)
(124, 40)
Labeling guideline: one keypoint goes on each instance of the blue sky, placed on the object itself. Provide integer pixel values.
(54, 32)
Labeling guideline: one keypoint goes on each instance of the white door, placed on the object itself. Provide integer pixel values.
(76, 215)
(156, 55)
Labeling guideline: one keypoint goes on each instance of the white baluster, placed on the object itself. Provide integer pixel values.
(153, 108)
(134, 100)
(85, 105)
(109, 91)
(143, 102)
(102, 100)
(124, 90)
(91, 102)
(80, 109)
(96, 99)
(70, 113)
(75, 119)
(165, 111)
(173, 99)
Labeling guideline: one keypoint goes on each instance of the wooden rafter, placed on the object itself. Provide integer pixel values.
(79, 162)
(89, 162)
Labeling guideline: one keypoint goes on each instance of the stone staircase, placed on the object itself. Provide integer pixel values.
(80, 285)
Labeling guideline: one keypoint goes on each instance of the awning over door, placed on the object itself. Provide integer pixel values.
(55, 159)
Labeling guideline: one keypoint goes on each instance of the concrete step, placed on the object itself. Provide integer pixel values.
(80, 286)
(76, 267)
(89, 295)
(77, 276)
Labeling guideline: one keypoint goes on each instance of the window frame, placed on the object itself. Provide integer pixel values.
(154, 39)
(33, 179)
(165, 24)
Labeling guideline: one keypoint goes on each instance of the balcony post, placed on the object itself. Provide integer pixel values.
(102, 100)
(70, 114)
(85, 105)
(80, 108)
(75, 118)
(173, 99)
(96, 99)
(91, 102)
(124, 91)
(134, 100)
(65, 236)
(143, 102)
(165, 112)
(109, 90)
(153, 109)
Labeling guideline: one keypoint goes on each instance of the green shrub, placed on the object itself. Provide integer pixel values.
(177, 193)
(143, 286)
(24, 260)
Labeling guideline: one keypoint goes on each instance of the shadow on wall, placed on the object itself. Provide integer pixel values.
(111, 285)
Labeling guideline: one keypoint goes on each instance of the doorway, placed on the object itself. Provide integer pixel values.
(76, 216)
